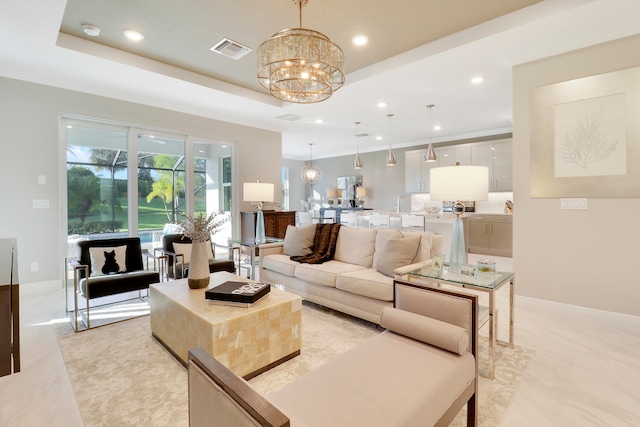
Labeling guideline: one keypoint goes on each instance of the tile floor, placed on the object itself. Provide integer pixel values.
(585, 370)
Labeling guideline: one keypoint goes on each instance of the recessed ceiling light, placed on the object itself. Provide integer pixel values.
(360, 40)
(437, 127)
(378, 138)
(382, 104)
(477, 79)
(91, 30)
(133, 35)
(319, 121)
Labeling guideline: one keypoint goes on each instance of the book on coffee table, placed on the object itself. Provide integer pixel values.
(240, 294)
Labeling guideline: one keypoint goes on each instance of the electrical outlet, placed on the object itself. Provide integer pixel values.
(34, 267)
(575, 203)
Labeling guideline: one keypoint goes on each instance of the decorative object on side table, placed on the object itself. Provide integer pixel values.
(486, 265)
(459, 183)
(199, 229)
(438, 263)
(258, 192)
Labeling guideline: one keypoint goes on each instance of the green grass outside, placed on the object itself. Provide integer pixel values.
(151, 216)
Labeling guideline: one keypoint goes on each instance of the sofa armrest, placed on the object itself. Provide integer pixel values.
(269, 246)
(401, 271)
(270, 249)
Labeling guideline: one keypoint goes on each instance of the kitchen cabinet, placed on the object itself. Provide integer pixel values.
(497, 157)
(449, 156)
(417, 171)
(490, 235)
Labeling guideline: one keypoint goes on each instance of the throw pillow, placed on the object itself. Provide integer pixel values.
(397, 253)
(108, 260)
(382, 235)
(422, 328)
(356, 246)
(298, 241)
(424, 251)
(185, 249)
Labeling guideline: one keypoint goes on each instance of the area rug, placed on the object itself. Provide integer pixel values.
(122, 376)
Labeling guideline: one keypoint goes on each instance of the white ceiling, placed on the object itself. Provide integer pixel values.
(420, 52)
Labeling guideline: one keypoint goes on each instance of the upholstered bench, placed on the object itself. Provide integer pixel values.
(108, 267)
(420, 372)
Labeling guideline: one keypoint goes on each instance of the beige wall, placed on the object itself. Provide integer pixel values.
(30, 147)
(587, 257)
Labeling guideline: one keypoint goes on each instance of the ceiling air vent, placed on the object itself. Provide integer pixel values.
(288, 117)
(231, 49)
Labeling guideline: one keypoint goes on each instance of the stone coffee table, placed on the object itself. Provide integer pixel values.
(247, 340)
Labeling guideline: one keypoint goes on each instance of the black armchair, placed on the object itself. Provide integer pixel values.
(177, 268)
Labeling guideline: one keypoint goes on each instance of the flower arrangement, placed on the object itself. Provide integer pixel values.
(199, 228)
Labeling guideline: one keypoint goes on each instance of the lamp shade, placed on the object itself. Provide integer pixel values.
(454, 183)
(361, 192)
(258, 192)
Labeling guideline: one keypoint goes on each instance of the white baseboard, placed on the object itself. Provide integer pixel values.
(542, 302)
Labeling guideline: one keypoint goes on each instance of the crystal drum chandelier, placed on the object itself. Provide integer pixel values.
(300, 65)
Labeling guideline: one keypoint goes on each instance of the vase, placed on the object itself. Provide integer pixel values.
(199, 275)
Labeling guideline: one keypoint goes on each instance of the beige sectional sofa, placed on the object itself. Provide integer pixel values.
(420, 372)
(359, 279)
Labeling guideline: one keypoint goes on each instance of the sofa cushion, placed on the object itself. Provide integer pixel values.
(298, 241)
(322, 397)
(280, 264)
(426, 329)
(355, 246)
(397, 253)
(324, 274)
(106, 260)
(368, 283)
(115, 284)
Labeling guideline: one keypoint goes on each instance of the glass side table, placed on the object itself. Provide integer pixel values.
(253, 248)
(488, 282)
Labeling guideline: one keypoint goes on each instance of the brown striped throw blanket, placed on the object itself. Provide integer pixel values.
(324, 245)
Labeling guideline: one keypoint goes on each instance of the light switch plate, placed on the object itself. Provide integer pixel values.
(574, 203)
(41, 204)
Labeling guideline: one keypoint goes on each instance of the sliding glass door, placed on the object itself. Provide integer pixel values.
(97, 185)
(173, 175)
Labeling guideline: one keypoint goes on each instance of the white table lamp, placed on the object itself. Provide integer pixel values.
(258, 192)
(456, 183)
(361, 194)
